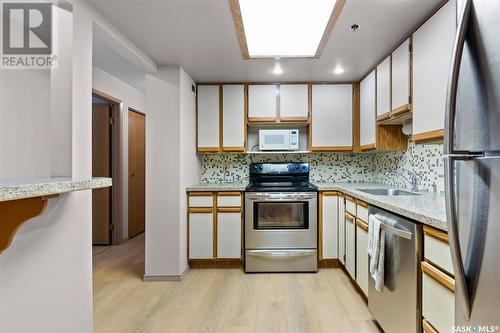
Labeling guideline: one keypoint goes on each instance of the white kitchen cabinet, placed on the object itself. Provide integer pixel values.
(229, 235)
(208, 111)
(432, 51)
(341, 229)
(294, 102)
(332, 117)
(201, 235)
(437, 249)
(438, 298)
(329, 225)
(201, 200)
(384, 88)
(233, 118)
(368, 112)
(362, 256)
(400, 73)
(228, 199)
(350, 245)
(262, 102)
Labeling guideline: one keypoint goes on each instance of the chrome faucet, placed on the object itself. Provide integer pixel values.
(413, 181)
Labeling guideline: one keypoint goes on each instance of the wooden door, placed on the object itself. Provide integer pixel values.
(136, 173)
(101, 167)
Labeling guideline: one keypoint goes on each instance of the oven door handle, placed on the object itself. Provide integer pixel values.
(280, 196)
(281, 254)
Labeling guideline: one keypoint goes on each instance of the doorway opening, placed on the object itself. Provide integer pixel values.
(107, 203)
(136, 172)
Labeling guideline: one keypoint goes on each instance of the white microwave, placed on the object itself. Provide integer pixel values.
(279, 139)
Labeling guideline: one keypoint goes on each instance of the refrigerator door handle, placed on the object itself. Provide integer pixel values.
(451, 98)
(456, 252)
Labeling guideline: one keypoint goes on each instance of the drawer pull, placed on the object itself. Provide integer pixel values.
(438, 276)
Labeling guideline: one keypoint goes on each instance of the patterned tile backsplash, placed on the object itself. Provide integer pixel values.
(425, 160)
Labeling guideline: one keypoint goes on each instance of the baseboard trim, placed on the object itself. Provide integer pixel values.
(215, 263)
(159, 278)
(328, 263)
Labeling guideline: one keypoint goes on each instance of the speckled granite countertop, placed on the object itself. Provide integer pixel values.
(213, 187)
(29, 188)
(427, 207)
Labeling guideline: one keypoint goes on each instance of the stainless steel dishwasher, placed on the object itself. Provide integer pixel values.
(398, 308)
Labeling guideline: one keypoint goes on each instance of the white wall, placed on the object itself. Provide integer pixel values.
(171, 165)
(190, 162)
(45, 276)
(131, 98)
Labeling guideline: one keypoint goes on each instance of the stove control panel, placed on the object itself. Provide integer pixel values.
(279, 168)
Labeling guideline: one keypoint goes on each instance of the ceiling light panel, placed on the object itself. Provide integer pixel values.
(284, 28)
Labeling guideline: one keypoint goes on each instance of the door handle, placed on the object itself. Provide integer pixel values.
(451, 97)
(289, 253)
(456, 252)
(449, 148)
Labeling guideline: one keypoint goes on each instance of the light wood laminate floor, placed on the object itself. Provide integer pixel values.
(221, 300)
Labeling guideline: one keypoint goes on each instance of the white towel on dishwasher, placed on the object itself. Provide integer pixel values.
(376, 250)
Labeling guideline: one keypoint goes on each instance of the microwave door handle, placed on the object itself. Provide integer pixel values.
(449, 149)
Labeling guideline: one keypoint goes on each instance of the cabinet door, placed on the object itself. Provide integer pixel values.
(332, 117)
(401, 77)
(208, 118)
(350, 246)
(233, 118)
(367, 112)
(262, 102)
(432, 50)
(201, 235)
(294, 102)
(384, 88)
(341, 228)
(362, 258)
(229, 235)
(329, 232)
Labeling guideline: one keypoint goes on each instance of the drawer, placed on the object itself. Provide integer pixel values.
(228, 200)
(362, 211)
(438, 298)
(350, 205)
(201, 200)
(436, 249)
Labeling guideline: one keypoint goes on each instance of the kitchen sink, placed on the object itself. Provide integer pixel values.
(385, 191)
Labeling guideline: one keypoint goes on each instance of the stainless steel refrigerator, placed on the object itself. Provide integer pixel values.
(472, 165)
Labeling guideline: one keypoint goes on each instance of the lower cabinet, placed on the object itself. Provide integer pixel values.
(229, 235)
(438, 299)
(350, 245)
(215, 226)
(201, 235)
(341, 227)
(329, 226)
(362, 255)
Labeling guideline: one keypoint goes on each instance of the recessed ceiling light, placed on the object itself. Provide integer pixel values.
(338, 70)
(277, 70)
(284, 28)
(354, 27)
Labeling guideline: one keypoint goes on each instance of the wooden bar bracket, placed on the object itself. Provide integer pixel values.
(14, 213)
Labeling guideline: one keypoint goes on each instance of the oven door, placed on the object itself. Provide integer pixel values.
(281, 220)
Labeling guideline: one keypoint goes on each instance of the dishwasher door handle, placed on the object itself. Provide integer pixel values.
(397, 232)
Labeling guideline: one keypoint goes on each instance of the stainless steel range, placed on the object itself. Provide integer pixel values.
(280, 219)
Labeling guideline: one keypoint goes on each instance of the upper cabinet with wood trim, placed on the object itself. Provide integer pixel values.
(332, 128)
(262, 103)
(294, 102)
(384, 89)
(233, 118)
(367, 112)
(401, 78)
(208, 112)
(432, 50)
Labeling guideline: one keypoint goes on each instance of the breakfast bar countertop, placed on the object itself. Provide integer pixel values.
(427, 207)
